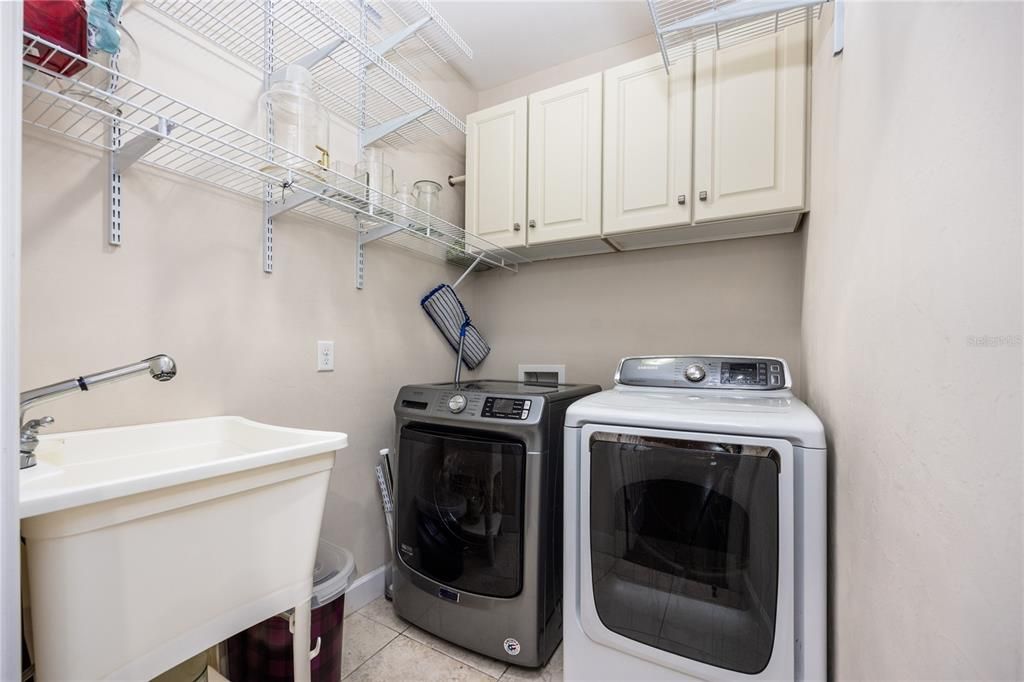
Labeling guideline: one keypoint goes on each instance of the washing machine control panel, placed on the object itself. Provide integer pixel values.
(705, 371)
(506, 408)
(474, 406)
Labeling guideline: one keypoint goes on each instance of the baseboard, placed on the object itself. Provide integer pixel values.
(365, 589)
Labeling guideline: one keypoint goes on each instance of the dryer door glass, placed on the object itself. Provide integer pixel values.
(685, 546)
(460, 509)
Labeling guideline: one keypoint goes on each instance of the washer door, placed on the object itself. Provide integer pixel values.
(686, 549)
(460, 508)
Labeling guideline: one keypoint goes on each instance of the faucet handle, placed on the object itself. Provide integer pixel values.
(36, 424)
(30, 439)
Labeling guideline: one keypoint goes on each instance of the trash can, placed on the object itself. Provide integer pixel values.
(263, 653)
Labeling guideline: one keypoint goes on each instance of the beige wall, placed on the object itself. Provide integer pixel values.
(188, 281)
(567, 71)
(913, 248)
(740, 296)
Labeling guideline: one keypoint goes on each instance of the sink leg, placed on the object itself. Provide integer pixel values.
(300, 642)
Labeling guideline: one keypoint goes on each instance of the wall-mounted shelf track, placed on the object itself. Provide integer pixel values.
(686, 27)
(135, 123)
(352, 77)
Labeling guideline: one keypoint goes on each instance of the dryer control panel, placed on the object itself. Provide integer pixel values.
(705, 371)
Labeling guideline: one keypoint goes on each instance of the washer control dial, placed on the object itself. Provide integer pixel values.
(695, 373)
(457, 403)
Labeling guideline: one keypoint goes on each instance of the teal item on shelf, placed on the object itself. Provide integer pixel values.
(103, 21)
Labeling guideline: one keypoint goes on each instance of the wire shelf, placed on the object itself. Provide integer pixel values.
(355, 81)
(97, 106)
(766, 18)
(435, 39)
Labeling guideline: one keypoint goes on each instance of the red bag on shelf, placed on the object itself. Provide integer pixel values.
(63, 23)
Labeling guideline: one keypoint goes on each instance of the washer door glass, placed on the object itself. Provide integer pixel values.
(460, 509)
(684, 542)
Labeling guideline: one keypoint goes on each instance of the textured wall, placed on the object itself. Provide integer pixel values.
(913, 254)
(188, 281)
(740, 296)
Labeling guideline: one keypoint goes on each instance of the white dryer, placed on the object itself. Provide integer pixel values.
(695, 525)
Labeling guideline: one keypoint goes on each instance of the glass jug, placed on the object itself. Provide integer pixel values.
(299, 120)
(428, 196)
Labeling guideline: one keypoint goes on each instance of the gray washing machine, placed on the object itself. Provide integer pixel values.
(478, 514)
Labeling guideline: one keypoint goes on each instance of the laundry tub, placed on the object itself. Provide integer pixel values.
(263, 653)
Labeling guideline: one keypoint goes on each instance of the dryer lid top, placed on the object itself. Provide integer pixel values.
(769, 414)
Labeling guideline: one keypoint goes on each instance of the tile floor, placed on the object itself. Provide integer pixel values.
(381, 647)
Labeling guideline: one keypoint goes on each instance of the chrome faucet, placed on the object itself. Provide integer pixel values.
(160, 367)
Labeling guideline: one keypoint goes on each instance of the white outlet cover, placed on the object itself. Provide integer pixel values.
(559, 369)
(325, 356)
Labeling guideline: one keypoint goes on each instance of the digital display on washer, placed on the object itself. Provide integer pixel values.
(743, 371)
(506, 408)
(503, 405)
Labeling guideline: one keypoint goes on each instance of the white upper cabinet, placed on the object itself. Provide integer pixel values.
(565, 162)
(648, 122)
(750, 127)
(496, 173)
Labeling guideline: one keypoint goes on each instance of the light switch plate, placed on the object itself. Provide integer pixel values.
(325, 356)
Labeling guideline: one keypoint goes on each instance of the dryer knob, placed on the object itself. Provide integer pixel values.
(695, 374)
(457, 403)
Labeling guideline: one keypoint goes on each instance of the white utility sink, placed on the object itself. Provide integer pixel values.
(147, 544)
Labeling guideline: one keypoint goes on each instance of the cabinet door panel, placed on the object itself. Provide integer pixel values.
(648, 118)
(496, 173)
(750, 126)
(565, 162)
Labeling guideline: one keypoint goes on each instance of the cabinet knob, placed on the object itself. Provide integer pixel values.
(681, 199)
(533, 223)
(703, 195)
(516, 226)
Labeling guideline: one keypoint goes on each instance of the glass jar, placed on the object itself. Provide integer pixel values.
(292, 117)
(404, 203)
(428, 196)
(376, 175)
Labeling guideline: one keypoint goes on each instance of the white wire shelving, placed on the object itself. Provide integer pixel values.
(388, 23)
(686, 27)
(135, 123)
(352, 77)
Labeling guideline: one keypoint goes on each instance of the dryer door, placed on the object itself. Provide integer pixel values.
(686, 549)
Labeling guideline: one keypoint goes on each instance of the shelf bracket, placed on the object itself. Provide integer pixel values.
(121, 156)
(128, 153)
(268, 228)
(364, 237)
(368, 136)
(304, 196)
(310, 59)
(392, 41)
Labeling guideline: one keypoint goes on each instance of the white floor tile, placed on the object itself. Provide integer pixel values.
(404, 660)
(484, 664)
(361, 639)
(383, 612)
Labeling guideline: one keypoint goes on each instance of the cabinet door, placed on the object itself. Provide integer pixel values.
(648, 117)
(565, 162)
(496, 173)
(750, 127)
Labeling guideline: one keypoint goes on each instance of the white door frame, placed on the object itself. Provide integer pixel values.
(10, 277)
